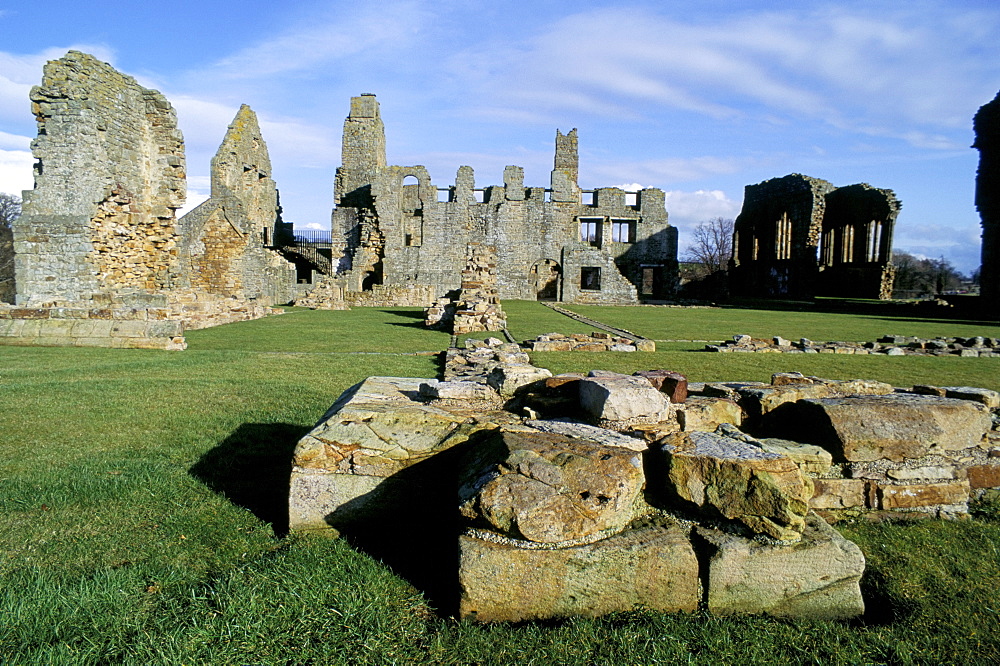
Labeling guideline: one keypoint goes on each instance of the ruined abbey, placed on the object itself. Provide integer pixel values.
(556, 243)
(101, 257)
(799, 237)
(987, 128)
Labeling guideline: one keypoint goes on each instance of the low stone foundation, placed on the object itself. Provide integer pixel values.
(116, 327)
(889, 345)
(598, 341)
(607, 492)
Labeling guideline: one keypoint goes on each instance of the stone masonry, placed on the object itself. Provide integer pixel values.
(786, 222)
(987, 128)
(109, 179)
(556, 243)
(225, 240)
(98, 239)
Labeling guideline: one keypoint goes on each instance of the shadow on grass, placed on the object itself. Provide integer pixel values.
(881, 609)
(252, 467)
(408, 314)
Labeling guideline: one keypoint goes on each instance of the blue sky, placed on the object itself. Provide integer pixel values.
(697, 98)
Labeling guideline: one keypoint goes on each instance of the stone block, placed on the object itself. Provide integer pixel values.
(985, 396)
(706, 414)
(924, 472)
(817, 578)
(548, 488)
(984, 476)
(456, 390)
(922, 495)
(623, 398)
(838, 494)
(718, 475)
(653, 568)
(357, 461)
(673, 384)
(899, 426)
(507, 379)
(810, 458)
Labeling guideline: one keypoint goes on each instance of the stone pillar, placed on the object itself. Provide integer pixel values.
(987, 128)
(363, 152)
(566, 169)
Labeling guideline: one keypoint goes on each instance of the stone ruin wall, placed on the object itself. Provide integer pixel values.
(224, 249)
(101, 259)
(413, 239)
(987, 129)
(109, 178)
(799, 237)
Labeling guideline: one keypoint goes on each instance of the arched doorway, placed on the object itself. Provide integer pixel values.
(544, 275)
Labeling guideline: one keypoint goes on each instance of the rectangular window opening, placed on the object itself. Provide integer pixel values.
(622, 231)
(590, 230)
(590, 278)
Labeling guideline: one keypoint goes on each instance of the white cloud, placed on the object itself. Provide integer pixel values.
(367, 28)
(859, 68)
(15, 171)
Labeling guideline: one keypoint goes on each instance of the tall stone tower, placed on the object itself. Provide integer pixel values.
(987, 128)
(363, 152)
(566, 169)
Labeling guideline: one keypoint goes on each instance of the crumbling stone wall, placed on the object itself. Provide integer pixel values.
(798, 237)
(987, 128)
(109, 178)
(100, 225)
(224, 239)
(401, 229)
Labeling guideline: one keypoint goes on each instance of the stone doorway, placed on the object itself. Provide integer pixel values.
(545, 277)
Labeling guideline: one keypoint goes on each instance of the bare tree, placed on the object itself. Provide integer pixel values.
(10, 210)
(712, 245)
(916, 277)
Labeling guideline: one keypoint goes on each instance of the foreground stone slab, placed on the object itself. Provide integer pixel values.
(817, 578)
(547, 488)
(653, 568)
(737, 480)
(899, 426)
(623, 398)
(358, 461)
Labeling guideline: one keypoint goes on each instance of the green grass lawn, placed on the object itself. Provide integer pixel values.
(143, 518)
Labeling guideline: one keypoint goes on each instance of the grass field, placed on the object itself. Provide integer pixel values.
(143, 517)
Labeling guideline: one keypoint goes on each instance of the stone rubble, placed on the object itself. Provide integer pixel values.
(889, 345)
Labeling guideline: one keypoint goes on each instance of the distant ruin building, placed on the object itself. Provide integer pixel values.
(100, 256)
(987, 128)
(405, 239)
(800, 237)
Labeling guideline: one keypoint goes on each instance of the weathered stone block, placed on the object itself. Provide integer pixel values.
(922, 495)
(653, 568)
(548, 488)
(707, 414)
(623, 398)
(673, 384)
(899, 426)
(507, 379)
(356, 462)
(984, 476)
(817, 578)
(838, 494)
(737, 480)
(810, 458)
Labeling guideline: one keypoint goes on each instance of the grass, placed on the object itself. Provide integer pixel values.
(142, 496)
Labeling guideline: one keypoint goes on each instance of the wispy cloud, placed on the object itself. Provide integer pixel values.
(15, 171)
(334, 36)
(867, 70)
